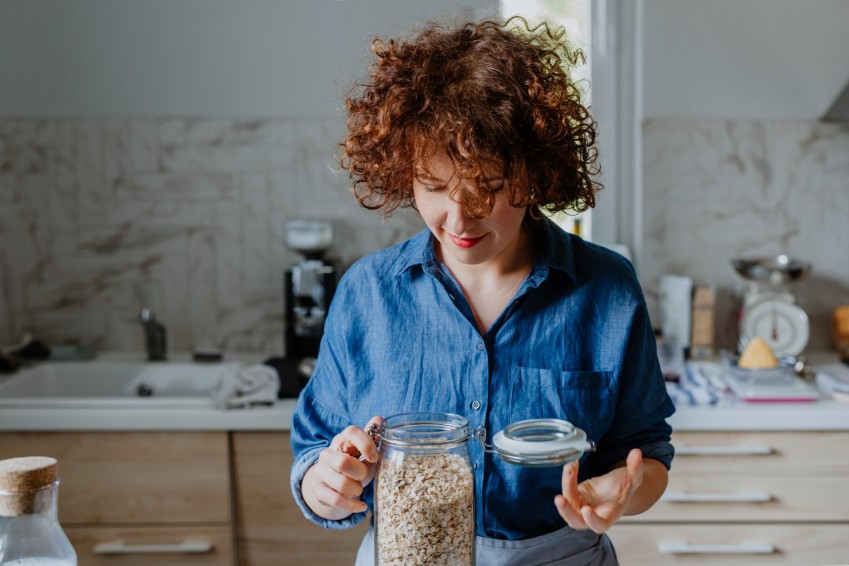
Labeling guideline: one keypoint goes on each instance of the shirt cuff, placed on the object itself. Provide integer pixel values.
(299, 470)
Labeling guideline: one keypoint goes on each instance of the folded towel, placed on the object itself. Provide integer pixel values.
(700, 384)
(249, 386)
(833, 380)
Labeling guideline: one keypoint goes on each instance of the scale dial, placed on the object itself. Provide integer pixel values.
(780, 322)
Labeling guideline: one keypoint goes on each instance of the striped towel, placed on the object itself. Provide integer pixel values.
(700, 384)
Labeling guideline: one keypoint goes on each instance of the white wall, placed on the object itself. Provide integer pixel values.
(749, 59)
(245, 58)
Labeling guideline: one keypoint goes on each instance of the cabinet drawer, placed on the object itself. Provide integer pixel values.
(134, 477)
(146, 546)
(725, 545)
(270, 524)
(785, 452)
(749, 497)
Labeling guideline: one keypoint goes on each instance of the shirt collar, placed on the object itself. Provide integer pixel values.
(555, 252)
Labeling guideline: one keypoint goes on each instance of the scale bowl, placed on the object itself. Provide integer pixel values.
(776, 270)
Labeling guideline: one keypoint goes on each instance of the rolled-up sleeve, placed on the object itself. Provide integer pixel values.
(642, 404)
(321, 412)
(313, 427)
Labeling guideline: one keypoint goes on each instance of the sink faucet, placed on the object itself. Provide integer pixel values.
(154, 334)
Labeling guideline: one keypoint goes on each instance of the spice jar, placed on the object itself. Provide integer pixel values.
(424, 494)
(30, 533)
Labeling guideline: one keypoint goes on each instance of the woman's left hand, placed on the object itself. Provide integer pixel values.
(597, 503)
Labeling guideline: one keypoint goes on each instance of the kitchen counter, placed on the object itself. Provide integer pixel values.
(811, 416)
(815, 416)
(822, 415)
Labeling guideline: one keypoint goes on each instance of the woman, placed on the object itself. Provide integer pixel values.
(492, 312)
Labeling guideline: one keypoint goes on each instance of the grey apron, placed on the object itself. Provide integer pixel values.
(565, 547)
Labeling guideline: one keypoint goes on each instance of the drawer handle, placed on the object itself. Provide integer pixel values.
(739, 497)
(185, 547)
(742, 450)
(746, 547)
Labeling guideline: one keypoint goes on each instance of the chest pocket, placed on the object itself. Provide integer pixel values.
(584, 398)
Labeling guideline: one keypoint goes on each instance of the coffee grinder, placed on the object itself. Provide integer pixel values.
(308, 288)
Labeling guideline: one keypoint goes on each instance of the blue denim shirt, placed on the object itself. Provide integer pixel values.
(575, 343)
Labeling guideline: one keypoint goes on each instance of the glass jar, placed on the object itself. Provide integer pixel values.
(424, 493)
(30, 533)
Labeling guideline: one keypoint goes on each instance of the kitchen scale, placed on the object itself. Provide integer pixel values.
(769, 308)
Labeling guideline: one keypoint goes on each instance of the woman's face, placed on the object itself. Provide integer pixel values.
(468, 240)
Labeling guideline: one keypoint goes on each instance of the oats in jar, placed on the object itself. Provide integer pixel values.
(426, 510)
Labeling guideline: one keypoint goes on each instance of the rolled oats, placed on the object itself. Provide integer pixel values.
(425, 510)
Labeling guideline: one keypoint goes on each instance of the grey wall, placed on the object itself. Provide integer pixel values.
(746, 59)
(735, 162)
(150, 153)
(251, 58)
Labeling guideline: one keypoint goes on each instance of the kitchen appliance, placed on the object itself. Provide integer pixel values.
(769, 308)
(309, 286)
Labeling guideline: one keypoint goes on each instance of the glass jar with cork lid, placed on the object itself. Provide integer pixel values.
(30, 533)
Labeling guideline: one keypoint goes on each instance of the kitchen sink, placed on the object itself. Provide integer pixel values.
(114, 384)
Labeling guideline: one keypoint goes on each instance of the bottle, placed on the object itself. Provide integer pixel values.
(424, 492)
(30, 534)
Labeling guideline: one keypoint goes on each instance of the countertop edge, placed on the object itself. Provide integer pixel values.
(276, 418)
(822, 415)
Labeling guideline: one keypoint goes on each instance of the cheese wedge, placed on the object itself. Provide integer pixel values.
(757, 355)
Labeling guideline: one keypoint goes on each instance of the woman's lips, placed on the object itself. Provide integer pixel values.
(465, 242)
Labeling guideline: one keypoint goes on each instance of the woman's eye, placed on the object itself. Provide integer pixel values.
(432, 189)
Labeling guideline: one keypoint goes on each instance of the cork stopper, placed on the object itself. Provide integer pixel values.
(21, 480)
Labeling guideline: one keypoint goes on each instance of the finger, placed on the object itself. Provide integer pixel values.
(570, 485)
(331, 498)
(634, 465)
(345, 485)
(570, 515)
(356, 442)
(594, 521)
(370, 453)
(343, 464)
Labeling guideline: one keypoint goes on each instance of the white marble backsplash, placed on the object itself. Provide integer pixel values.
(99, 217)
(716, 190)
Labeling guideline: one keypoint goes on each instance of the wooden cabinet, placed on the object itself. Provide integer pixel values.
(270, 527)
(175, 498)
(746, 498)
(139, 497)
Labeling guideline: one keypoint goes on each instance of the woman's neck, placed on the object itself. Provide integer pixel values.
(490, 286)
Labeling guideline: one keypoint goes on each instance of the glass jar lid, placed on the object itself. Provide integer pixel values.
(539, 443)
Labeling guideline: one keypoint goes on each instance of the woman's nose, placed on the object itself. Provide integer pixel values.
(457, 221)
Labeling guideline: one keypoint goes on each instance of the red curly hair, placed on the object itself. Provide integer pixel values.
(487, 93)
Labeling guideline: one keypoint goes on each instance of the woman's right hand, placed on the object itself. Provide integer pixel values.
(333, 485)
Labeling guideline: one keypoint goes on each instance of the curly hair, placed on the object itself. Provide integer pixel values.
(487, 93)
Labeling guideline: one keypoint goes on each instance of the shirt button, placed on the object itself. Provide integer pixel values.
(480, 347)
(476, 405)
